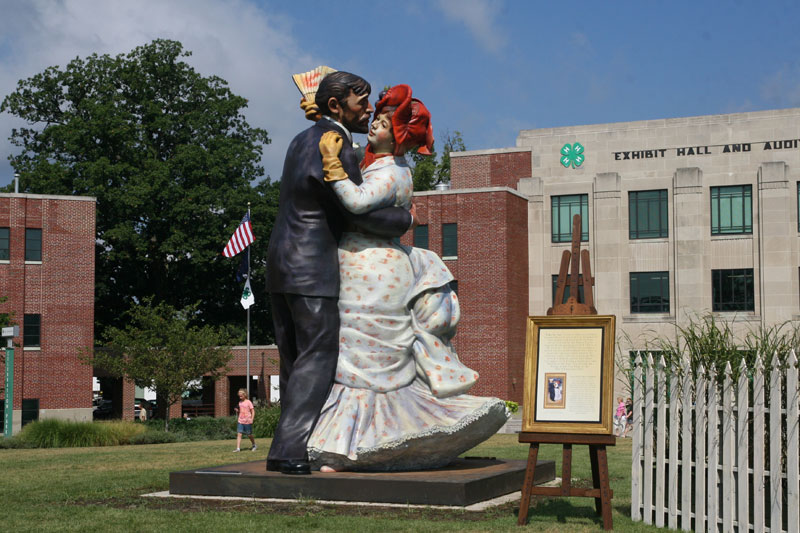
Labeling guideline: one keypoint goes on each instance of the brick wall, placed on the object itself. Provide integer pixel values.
(493, 168)
(60, 289)
(491, 270)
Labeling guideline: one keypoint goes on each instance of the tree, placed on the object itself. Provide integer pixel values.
(427, 172)
(423, 170)
(171, 160)
(452, 143)
(6, 319)
(161, 349)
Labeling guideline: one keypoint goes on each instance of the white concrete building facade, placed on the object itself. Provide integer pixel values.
(685, 215)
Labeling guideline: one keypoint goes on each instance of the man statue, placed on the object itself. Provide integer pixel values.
(303, 268)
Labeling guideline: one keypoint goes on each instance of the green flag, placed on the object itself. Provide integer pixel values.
(247, 296)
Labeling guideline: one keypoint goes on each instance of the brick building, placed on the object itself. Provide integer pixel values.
(47, 274)
(480, 228)
(216, 398)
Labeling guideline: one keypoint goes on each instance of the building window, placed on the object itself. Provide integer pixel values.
(733, 290)
(5, 245)
(647, 214)
(421, 237)
(33, 244)
(30, 410)
(731, 210)
(566, 289)
(563, 208)
(649, 292)
(450, 240)
(454, 286)
(32, 328)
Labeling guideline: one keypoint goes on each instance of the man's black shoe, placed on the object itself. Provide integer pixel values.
(289, 466)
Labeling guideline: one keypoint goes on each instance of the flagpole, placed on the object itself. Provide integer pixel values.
(248, 314)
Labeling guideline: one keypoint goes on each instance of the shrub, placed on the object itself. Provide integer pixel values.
(266, 420)
(155, 437)
(204, 428)
(14, 443)
(66, 434)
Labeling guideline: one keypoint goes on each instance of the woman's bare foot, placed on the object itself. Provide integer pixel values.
(328, 469)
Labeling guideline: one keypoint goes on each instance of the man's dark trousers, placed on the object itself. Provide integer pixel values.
(307, 335)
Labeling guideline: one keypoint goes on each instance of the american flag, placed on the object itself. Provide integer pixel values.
(240, 239)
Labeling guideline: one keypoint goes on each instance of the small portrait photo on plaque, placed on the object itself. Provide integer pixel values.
(555, 394)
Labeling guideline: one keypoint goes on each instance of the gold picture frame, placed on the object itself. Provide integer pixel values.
(569, 374)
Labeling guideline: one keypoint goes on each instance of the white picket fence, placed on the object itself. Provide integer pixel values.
(709, 455)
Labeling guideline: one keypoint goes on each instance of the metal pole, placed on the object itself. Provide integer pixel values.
(248, 312)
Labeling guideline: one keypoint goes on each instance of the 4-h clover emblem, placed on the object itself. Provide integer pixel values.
(572, 154)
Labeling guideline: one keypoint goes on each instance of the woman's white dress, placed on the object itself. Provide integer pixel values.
(397, 402)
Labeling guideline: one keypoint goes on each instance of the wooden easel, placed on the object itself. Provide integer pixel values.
(601, 491)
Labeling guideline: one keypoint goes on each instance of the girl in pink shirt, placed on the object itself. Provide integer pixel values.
(246, 413)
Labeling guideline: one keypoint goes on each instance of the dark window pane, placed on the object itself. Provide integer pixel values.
(733, 290)
(30, 410)
(449, 240)
(31, 335)
(731, 210)
(33, 244)
(566, 289)
(454, 286)
(563, 208)
(649, 292)
(647, 213)
(5, 249)
(421, 237)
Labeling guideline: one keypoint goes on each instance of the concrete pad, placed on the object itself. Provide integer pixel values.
(463, 483)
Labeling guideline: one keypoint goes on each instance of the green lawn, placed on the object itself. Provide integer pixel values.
(99, 489)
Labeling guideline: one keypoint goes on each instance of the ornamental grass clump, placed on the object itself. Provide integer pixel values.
(266, 420)
(68, 434)
(710, 341)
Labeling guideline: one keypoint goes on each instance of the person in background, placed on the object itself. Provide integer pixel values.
(628, 416)
(246, 413)
(619, 418)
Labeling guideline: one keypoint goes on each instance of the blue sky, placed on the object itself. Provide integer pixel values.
(485, 68)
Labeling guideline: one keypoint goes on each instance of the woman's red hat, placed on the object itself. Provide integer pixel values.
(411, 122)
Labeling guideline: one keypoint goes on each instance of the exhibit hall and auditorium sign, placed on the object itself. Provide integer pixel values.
(708, 149)
(569, 374)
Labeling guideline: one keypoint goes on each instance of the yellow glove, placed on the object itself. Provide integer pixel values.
(311, 109)
(330, 146)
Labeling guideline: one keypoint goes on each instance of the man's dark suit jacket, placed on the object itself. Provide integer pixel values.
(302, 256)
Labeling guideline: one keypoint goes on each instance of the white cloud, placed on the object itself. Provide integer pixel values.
(480, 18)
(782, 88)
(250, 47)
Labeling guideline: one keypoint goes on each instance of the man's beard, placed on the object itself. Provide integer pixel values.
(357, 127)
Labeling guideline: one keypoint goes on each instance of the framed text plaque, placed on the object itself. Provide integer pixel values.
(569, 374)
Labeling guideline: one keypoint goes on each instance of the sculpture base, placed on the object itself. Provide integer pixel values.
(463, 482)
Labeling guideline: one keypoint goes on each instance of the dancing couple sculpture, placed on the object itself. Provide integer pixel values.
(369, 379)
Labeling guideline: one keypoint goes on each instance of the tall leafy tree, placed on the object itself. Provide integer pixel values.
(172, 161)
(453, 142)
(160, 348)
(429, 170)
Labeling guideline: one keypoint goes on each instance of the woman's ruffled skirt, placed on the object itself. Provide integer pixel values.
(405, 429)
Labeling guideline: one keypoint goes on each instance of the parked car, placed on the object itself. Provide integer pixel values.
(103, 409)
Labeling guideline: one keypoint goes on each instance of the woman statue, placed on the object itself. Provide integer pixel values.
(398, 400)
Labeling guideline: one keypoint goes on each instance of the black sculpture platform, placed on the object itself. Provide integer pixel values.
(462, 483)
